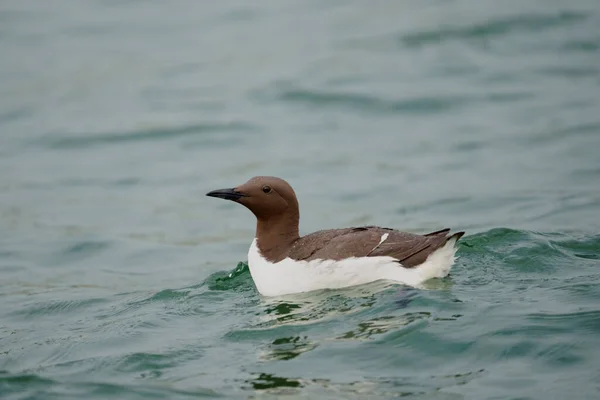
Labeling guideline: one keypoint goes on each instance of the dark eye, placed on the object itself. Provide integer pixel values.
(267, 189)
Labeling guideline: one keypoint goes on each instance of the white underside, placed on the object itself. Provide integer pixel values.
(290, 276)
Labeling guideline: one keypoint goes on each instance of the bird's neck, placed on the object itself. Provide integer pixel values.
(275, 235)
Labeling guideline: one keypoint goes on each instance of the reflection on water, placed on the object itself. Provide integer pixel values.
(307, 308)
(282, 322)
(268, 381)
(310, 312)
(383, 387)
(288, 348)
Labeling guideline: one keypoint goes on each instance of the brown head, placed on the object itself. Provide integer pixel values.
(273, 201)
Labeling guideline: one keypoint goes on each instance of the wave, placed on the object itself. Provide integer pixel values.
(84, 140)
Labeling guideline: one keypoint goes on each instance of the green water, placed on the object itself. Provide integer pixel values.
(120, 279)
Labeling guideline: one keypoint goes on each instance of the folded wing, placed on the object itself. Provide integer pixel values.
(370, 241)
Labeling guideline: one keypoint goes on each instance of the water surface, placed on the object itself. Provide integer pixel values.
(120, 279)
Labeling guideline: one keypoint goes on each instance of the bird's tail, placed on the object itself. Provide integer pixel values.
(453, 238)
(440, 261)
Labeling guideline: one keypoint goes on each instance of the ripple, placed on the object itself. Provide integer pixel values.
(516, 24)
(168, 295)
(154, 365)
(561, 354)
(34, 386)
(380, 325)
(362, 102)
(85, 249)
(510, 255)
(583, 246)
(570, 72)
(55, 307)
(238, 279)
(582, 45)
(16, 114)
(493, 237)
(380, 387)
(320, 306)
(319, 98)
(588, 320)
(90, 140)
(288, 348)
(578, 129)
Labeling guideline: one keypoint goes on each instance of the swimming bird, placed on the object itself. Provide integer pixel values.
(283, 262)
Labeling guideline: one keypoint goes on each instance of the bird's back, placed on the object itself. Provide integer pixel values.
(408, 249)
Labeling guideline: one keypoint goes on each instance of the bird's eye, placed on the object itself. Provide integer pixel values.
(267, 189)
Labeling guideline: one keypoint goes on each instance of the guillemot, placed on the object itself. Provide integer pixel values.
(283, 262)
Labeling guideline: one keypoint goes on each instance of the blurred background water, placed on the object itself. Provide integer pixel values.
(119, 279)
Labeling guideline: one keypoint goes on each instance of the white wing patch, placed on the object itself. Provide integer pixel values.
(383, 239)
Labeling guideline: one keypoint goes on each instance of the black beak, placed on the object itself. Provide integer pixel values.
(227, 194)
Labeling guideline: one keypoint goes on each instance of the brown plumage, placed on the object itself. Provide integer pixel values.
(408, 248)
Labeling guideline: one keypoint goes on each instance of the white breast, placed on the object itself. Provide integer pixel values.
(290, 276)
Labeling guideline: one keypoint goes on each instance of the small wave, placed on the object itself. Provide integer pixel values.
(23, 385)
(531, 260)
(25, 379)
(26, 385)
(372, 104)
(288, 348)
(239, 278)
(570, 72)
(85, 140)
(587, 320)
(493, 28)
(168, 295)
(383, 387)
(85, 248)
(370, 329)
(583, 246)
(50, 308)
(572, 132)
(493, 237)
(146, 363)
(15, 115)
(583, 45)
(319, 98)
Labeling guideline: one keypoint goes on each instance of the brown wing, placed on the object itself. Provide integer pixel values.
(408, 248)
